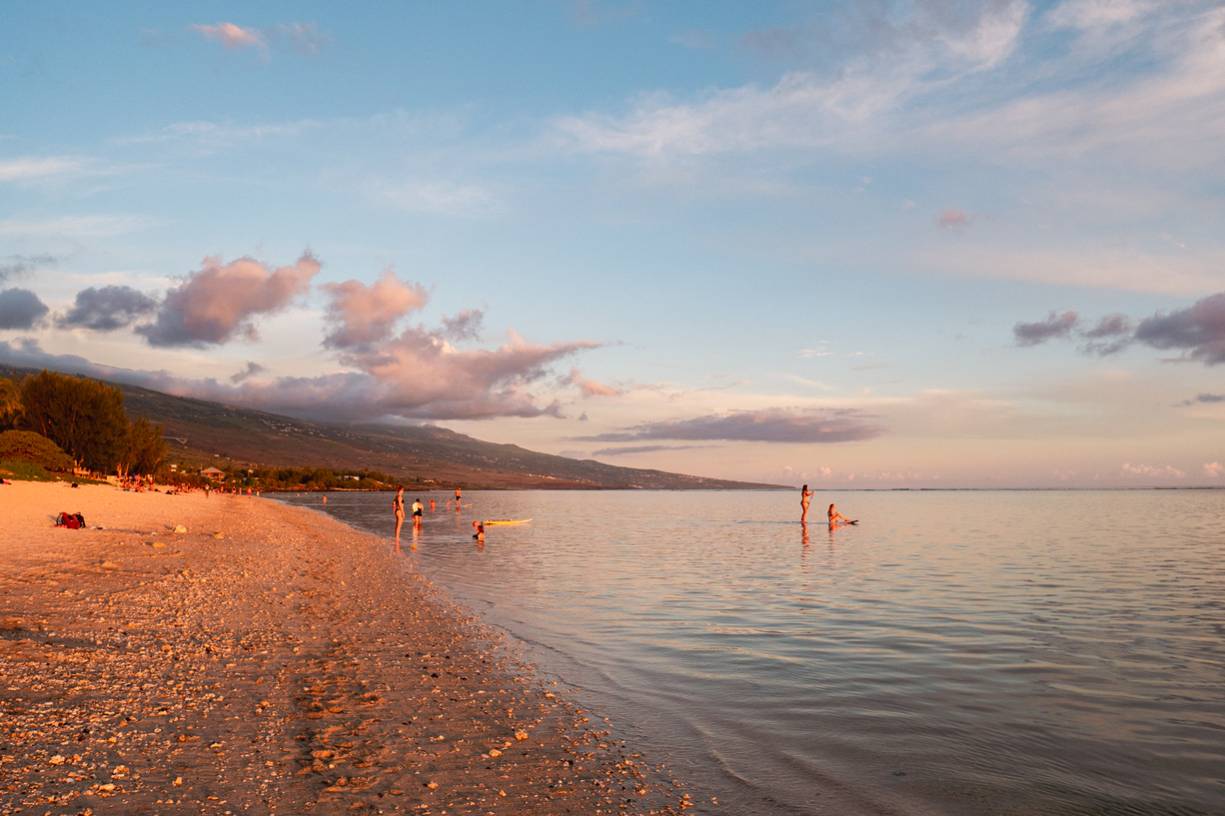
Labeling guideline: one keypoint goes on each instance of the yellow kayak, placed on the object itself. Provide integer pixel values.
(504, 522)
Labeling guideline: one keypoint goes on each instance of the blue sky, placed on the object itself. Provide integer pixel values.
(849, 244)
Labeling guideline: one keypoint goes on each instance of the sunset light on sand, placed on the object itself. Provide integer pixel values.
(612, 406)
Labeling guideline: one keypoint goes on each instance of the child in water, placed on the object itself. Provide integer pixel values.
(479, 535)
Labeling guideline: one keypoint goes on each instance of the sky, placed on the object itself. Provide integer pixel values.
(923, 243)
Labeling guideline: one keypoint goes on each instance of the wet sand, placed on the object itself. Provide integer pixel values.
(268, 660)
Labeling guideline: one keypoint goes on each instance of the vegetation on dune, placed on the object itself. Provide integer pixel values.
(34, 449)
(84, 419)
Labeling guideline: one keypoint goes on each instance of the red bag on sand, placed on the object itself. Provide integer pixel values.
(73, 521)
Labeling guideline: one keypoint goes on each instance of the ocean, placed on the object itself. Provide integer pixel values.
(957, 652)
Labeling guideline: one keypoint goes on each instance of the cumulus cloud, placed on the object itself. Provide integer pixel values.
(588, 387)
(219, 301)
(361, 314)
(232, 35)
(1055, 325)
(631, 450)
(953, 219)
(767, 425)
(1197, 331)
(107, 308)
(14, 266)
(1152, 471)
(249, 371)
(416, 375)
(20, 309)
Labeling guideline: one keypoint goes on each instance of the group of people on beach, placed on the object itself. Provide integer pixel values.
(418, 509)
(832, 515)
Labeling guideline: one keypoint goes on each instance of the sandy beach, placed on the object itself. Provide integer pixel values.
(268, 660)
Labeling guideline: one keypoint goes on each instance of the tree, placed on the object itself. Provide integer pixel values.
(84, 417)
(144, 449)
(10, 404)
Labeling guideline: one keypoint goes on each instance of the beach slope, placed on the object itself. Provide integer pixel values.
(268, 660)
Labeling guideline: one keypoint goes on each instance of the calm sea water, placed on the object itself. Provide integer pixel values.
(955, 653)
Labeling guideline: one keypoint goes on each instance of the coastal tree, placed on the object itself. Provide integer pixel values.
(10, 403)
(144, 449)
(83, 416)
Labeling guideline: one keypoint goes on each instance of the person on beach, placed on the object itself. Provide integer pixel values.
(397, 504)
(805, 500)
(431, 505)
(836, 519)
(418, 509)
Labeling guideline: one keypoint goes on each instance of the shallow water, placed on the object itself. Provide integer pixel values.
(957, 652)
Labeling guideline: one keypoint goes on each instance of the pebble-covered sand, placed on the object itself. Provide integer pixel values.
(268, 660)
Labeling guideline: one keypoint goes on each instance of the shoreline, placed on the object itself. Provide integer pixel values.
(269, 660)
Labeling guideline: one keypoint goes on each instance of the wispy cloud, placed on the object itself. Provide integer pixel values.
(1152, 471)
(1203, 399)
(767, 425)
(232, 35)
(589, 387)
(953, 219)
(14, 266)
(250, 370)
(75, 226)
(306, 38)
(635, 450)
(436, 197)
(1055, 325)
(27, 168)
(806, 109)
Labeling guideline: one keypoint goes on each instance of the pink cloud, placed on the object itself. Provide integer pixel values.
(1214, 469)
(953, 219)
(588, 387)
(362, 314)
(1152, 471)
(232, 35)
(220, 301)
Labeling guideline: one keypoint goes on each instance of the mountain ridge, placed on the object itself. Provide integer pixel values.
(201, 432)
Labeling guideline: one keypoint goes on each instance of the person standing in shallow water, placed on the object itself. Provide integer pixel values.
(805, 500)
(397, 505)
(418, 509)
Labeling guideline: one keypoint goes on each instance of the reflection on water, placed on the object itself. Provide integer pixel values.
(957, 652)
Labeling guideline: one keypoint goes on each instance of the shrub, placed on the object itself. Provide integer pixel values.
(27, 446)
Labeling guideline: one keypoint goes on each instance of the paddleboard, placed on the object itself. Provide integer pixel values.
(504, 522)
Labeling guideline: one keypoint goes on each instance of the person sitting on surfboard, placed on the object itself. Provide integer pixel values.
(836, 519)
